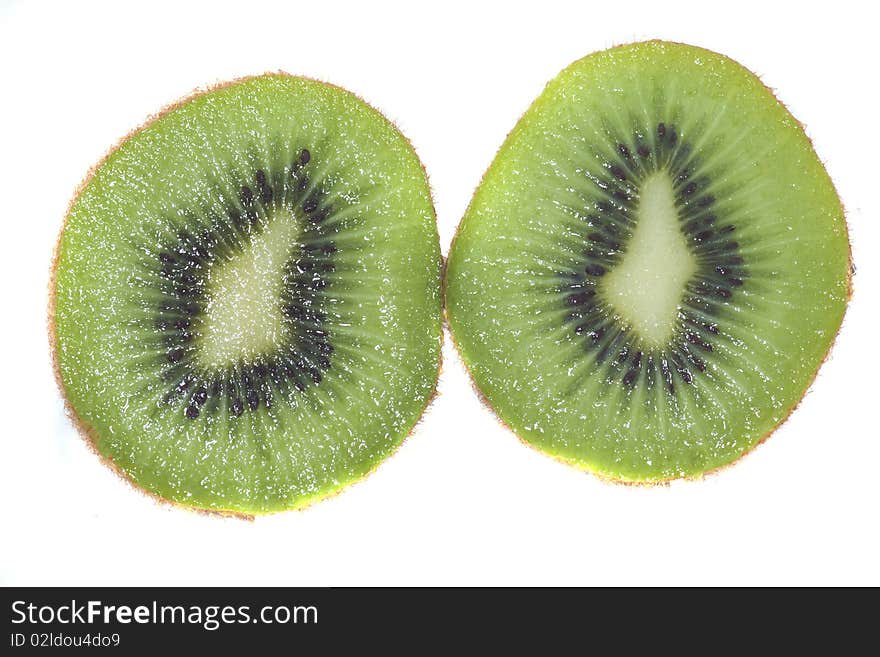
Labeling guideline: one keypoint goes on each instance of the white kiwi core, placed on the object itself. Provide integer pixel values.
(645, 287)
(244, 316)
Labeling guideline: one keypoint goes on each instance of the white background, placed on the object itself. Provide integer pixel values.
(463, 501)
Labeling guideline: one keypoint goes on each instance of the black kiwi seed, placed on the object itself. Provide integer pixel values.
(694, 225)
(263, 186)
(695, 339)
(319, 216)
(617, 172)
(200, 396)
(683, 371)
(253, 399)
(580, 298)
(311, 204)
(695, 361)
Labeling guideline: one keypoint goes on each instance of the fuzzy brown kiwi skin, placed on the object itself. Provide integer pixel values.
(662, 482)
(87, 432)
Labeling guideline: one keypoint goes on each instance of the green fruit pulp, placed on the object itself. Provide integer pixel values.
(739, 286)
(379, 297)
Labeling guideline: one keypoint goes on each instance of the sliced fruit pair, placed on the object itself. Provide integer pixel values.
(246, 307)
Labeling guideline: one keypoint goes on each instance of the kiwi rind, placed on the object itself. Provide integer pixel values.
(90, 435)
(514, 424)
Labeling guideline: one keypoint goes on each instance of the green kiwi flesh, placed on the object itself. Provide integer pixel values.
(246, 303)
(653, 268)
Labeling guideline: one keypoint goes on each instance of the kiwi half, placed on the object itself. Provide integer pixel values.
(246, 302)
(653, 267)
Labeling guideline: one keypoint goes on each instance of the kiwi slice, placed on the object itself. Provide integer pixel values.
(246, 302)
(653, 268)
